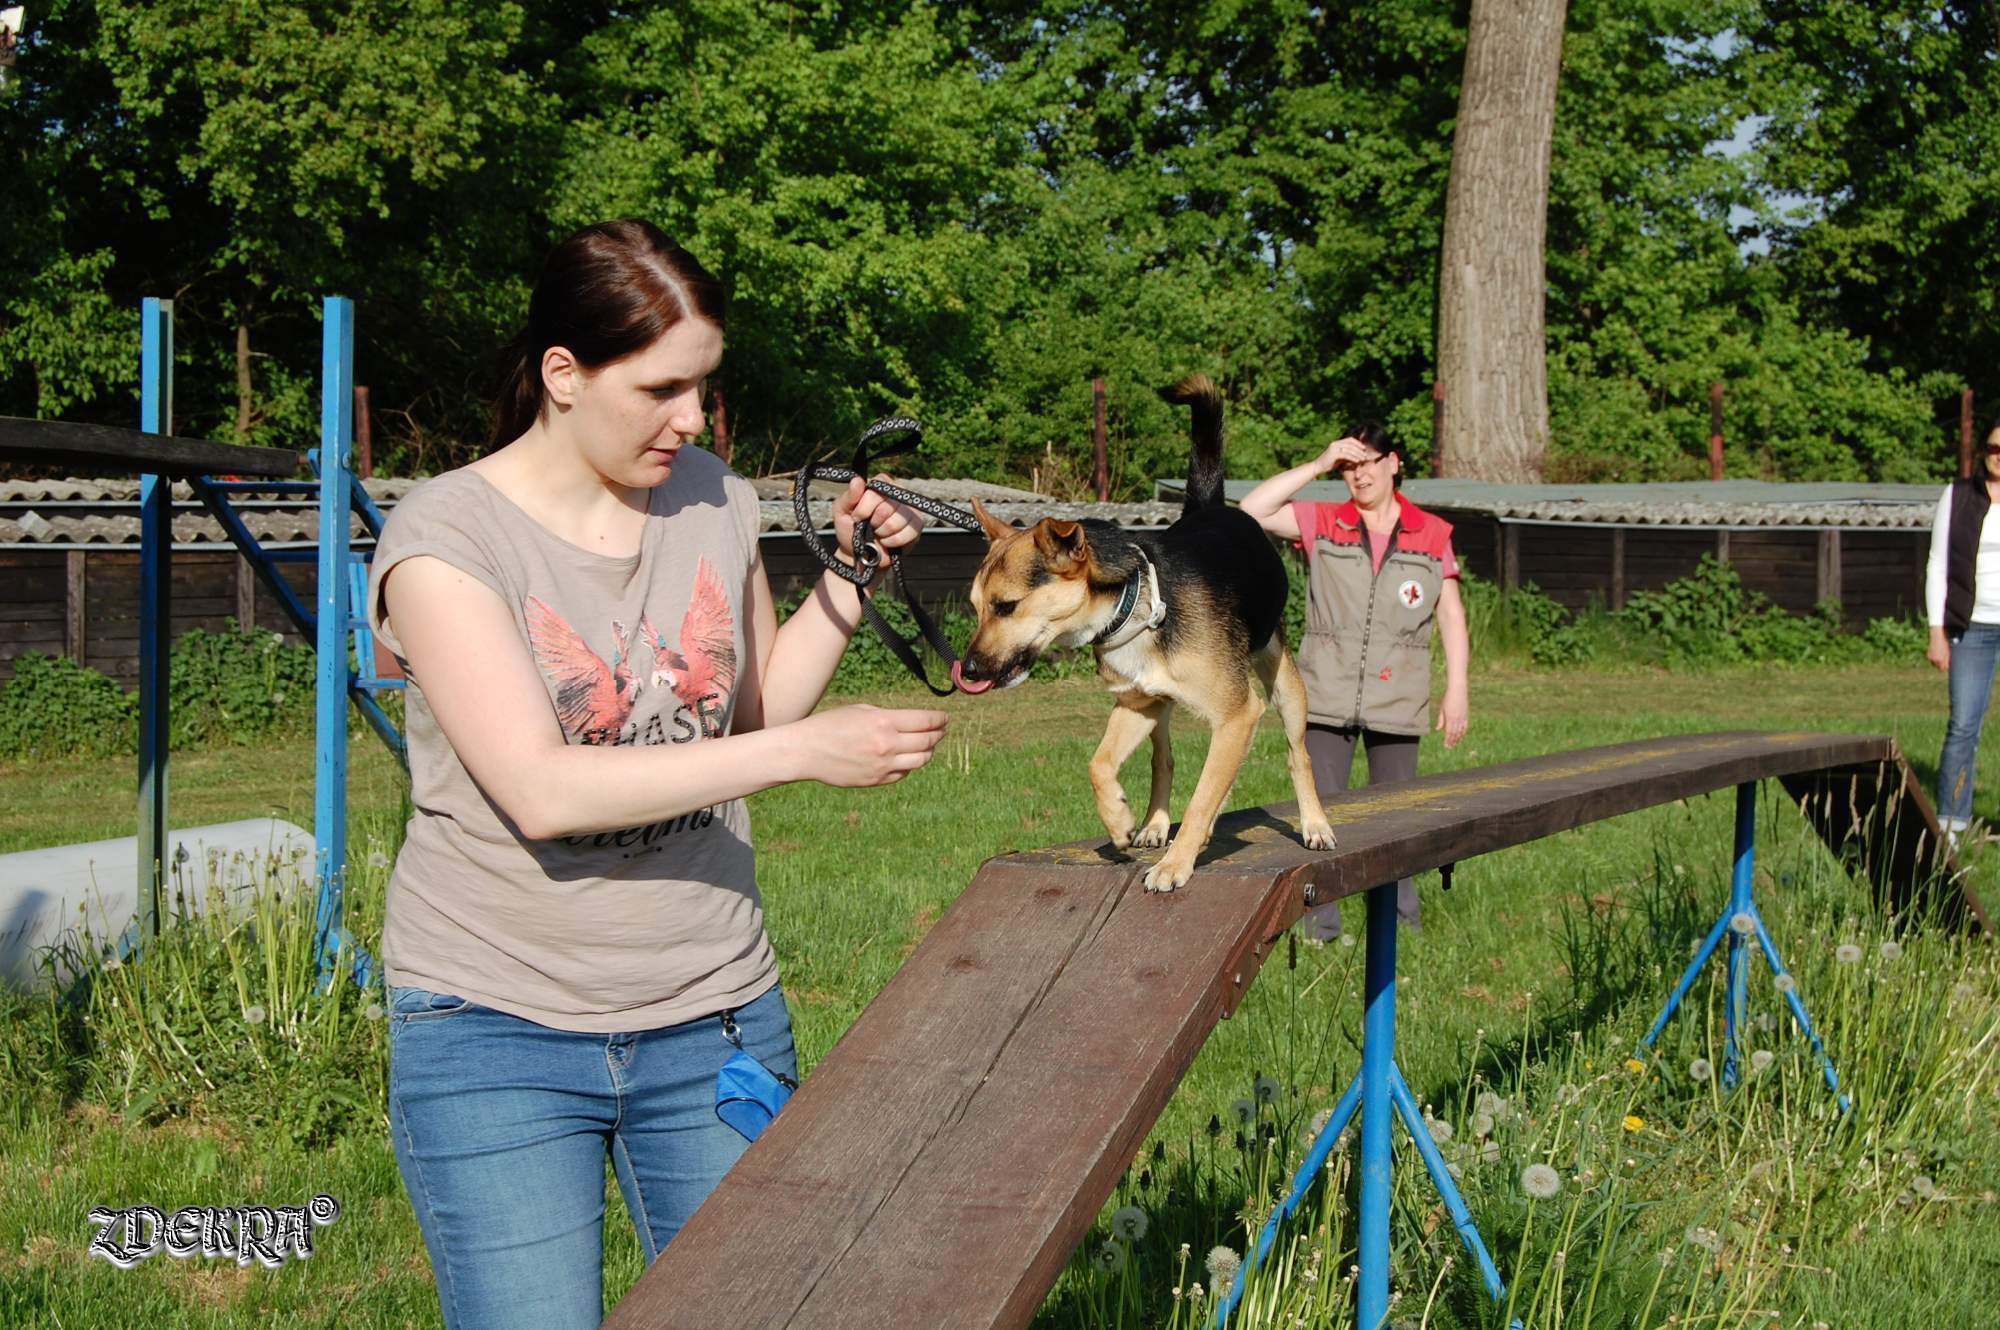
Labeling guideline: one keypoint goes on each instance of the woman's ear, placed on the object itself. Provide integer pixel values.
(561, 376)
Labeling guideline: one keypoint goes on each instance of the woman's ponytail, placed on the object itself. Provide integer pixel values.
(517, 391)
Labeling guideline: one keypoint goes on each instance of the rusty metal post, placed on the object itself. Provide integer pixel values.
(720, 425)
(1437, 429)
(1715, 431)
(364, 435)
(1100, 457)
(1965, 433)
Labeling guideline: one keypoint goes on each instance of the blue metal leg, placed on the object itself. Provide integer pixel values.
(156, 552)
(1798, 1007)
(330, 712)
(1454, 1204)
(1743, 904)
(1378, 1052)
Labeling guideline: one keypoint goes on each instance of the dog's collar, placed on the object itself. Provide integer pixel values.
(1123, 627)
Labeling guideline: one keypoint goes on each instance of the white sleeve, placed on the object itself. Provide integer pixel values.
(1934, 570)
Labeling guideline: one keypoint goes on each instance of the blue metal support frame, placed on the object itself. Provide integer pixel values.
(1377, 1092)
(156, 552)
(1740, 923)
(333, 678)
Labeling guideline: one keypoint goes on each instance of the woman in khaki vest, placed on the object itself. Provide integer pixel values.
(1382, 573)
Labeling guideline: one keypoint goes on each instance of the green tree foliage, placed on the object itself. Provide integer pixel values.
(967, 212)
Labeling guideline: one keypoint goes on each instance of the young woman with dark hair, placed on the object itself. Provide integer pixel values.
(575, 941)
(1962, 601)
(1381, 574)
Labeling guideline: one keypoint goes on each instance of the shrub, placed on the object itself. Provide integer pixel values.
(54, 707)
(239, 684)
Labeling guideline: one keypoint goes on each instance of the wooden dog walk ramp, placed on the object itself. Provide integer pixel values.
(943, 1161)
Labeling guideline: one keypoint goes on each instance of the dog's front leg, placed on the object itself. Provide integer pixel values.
(1159, 816)
(1131, 721)
(1226, 749)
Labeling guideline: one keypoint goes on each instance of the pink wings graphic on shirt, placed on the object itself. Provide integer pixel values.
(705, 664)
(593, 699)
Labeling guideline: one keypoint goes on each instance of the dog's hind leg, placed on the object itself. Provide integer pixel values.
(1280, 674)
(1226, 748)
(1136, 716)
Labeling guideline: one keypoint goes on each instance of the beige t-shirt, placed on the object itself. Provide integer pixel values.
(623, 930)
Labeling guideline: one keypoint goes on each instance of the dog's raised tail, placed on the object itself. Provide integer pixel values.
(1204, 479)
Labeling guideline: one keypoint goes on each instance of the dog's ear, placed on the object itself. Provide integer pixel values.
(1061, 543)
(994, 528)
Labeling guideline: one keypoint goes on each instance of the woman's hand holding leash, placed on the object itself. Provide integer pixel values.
(893, 526)
(865, 745)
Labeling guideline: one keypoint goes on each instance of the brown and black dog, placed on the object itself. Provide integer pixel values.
(1179, 617)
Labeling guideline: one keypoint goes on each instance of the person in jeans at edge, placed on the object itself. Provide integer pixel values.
(1380, 573)
(1962, 602)
(597, 677)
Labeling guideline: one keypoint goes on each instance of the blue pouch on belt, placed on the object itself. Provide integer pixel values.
(748, 1094)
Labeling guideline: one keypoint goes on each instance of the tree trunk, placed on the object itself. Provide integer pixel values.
(1492, 353)
(246, 400)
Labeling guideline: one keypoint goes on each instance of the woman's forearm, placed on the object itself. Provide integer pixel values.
(1272, 495)
(582, 789)
(808, 648)
(1457, 640)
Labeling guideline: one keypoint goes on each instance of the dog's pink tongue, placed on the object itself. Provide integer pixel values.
(958, 677)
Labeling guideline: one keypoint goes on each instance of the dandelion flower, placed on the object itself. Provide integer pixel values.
(1346, 940)
(1195, 1294)
(1129, 1223)
(1633, 1122)
(1705, 1238)
(1700, 1069)
(1635, 1066)
(1847, 953)
(1244, 1110)
(1540, 1181)
(1482, 1125)
(1568, 1094)
(1309, 1133)
(1963, 991)
(377, 859)
(1784, 983)
(1742, 923)
(1222, 1265)
(1440, 1130)
(253, 1014)
(1761, 1060)
(1489, 1152)
(1267, 1089)
(1110, 1258)
(1489, 1103)
(1680, 870)
(113, 963)
(1924, 1187)
(1906, 1199)
(1891, 949)
(1766, 1021)
(374, 1011)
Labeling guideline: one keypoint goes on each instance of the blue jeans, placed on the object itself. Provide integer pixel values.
(501, 1128)
(1973, 658)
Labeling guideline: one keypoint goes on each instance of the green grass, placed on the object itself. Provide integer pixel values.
(1537, 972)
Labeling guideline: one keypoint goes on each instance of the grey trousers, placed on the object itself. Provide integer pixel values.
(1391, 758)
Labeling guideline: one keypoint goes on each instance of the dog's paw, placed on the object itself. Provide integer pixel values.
(1318, 836)
(1154, 834)
(1169, 874)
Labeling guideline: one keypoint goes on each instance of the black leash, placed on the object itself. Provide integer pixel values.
(867, 560)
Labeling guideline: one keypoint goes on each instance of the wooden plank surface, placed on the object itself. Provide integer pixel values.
(939, 1166)
(107, 450)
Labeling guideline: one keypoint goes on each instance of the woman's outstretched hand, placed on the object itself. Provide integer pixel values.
(865, 745)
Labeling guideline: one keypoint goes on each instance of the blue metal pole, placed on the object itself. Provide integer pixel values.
(336, 439)
(1798, 1007)
(156, 552)
(1742, 901)
(1378, 1053)
(1701, 956)
(1454, 1204)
